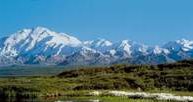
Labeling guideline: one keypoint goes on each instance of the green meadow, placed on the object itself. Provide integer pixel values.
(76, 83)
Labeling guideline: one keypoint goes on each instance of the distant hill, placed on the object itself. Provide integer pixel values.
(174, 76)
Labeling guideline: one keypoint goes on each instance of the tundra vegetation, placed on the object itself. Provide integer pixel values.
(176, 78)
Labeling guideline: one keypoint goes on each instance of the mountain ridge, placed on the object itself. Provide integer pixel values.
(42, 46)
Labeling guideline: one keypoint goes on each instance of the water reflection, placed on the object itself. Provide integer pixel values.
(78, 100)
(90, 100)
(19, 100)
(61, 99)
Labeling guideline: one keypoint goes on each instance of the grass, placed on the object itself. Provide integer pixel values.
(174, 78)
(125, 99)
(108, 99)
(13, 71)
(46, 87)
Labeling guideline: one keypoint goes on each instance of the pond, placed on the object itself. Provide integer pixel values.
(61, 99)
(82, 99)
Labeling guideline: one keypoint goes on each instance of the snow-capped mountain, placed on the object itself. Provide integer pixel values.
(183, 45)
(38, 41)
(43, 46)
(101, 45)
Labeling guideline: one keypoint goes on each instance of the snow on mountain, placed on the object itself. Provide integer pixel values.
(129, 49)
(86, 56)
(186, 44)
(85, 50)
(38, 41)
(123, 49)
(100, 44)
(183, 44)
(43, 46)
(159, 50)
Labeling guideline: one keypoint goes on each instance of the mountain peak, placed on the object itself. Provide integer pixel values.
(37, 41)
(102, 42)
(27, 44)
(125, 44)
(182, 44)
(125, 41)
(159, 50)
(98, 43)
(40, 28)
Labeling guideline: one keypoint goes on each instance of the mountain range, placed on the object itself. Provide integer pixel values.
(42, 46)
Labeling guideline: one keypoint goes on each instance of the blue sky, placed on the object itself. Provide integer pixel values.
(151, 22)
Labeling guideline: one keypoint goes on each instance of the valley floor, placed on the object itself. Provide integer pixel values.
(160, 82)
(62, 89)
